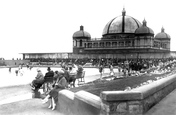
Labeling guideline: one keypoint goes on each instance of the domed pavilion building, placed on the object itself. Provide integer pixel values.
(122, 37)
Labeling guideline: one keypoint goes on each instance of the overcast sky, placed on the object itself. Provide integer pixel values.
(28, 26)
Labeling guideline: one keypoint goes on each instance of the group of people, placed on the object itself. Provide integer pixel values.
(111, 71)
(19, 70)
(131, 63)
(59, 80)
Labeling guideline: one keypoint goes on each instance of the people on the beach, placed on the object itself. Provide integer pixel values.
(60, 84)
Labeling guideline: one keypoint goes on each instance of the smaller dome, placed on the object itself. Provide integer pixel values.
(144, 29)
(162, 35)
(81, 33)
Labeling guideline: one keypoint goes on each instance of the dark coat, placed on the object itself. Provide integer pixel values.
(49, 76)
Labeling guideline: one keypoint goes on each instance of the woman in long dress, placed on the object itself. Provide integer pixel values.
(60, 84)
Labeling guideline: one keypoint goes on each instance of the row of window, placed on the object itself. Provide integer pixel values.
(160, 45)
(110, 44)
(116, 44)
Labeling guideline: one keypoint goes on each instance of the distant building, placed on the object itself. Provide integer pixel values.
(122, 37)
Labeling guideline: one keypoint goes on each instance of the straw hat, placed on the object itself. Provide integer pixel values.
(38, 70)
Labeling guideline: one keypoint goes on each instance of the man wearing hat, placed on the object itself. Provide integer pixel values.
(49, 75)
(48, 78)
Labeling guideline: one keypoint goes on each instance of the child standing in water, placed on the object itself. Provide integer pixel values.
(111, 70)
(9, 69)
(16, 71)
(101, 71)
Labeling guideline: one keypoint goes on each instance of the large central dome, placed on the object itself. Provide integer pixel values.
(121, 24)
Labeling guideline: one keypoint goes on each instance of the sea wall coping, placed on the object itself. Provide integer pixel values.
(120, 95)
(67, 94)
(155, 86)
(66, 102)
(89, 98)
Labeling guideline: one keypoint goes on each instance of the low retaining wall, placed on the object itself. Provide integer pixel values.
(134, 102)
(137, 101)
(66, 102)
(80, 103)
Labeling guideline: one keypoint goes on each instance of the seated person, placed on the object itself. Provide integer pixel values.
(59, 85)
(72, 76)
(49, 75)
(56, 75)
(79, 71)
(38, 81)
(66, 73)
(71, 71)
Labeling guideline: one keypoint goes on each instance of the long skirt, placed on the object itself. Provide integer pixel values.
(54, 93)
(37, 83)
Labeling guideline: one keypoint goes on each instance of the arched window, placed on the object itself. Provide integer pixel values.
(101, 44)
(80, 43)
(128, 43)
(89, 45)
(107, 44)
(85, 45)
(95, 45)
(114, 44)
(121, 43)
(74, 42)
(133, 43)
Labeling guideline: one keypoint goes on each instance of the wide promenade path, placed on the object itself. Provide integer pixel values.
(166, 106)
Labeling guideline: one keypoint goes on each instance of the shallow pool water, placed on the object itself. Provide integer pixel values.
(10, 79)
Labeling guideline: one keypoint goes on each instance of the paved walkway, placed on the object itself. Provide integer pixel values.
(17, 100)
(27, 107)
(167, 106)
